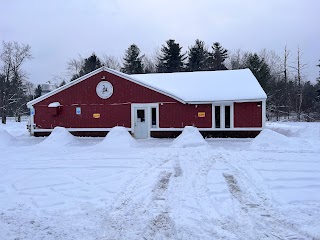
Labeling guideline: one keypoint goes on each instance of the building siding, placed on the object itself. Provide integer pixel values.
(248, 114)
(179, 115)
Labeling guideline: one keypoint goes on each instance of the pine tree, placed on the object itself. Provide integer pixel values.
(318, 84)
(171, 59)
(89, 64)
(38, 91)
(259, 68)
(62, 83)
(132, 62)
(198, 57)
(218, 56)
(318, 79)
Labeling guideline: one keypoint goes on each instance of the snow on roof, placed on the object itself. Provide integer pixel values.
(206, 86)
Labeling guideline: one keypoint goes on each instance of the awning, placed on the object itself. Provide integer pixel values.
(54, 104)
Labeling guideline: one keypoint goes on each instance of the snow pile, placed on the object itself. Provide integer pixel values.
(287, 130)
(118, 137)
(269, 139)
(190, 137)
(60, 137)
(310, 131)
(6, 139)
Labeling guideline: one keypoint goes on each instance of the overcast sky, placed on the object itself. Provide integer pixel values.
(59, 30)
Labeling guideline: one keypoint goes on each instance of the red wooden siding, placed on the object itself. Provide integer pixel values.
(248, 114)
(115, 110)
(179, 116)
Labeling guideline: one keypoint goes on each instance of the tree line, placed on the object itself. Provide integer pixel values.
(290, 94)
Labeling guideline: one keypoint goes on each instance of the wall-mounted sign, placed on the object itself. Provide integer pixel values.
(32, 111)
(201, 114)
(96, 115)
(78, 110)
(104, 89)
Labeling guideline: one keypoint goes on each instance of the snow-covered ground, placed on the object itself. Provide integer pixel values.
(62, 187)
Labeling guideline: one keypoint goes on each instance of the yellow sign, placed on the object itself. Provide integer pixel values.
(96, 115)
(201, 114)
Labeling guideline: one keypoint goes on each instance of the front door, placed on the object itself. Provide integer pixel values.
(140, 122)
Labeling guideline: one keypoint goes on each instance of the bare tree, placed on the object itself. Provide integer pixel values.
(149, 64)
(29, 88)
(111, 62)
(74, 65)
(273, 60)
(285, 78)
(299, 68)
(237, 59)
(12, 56)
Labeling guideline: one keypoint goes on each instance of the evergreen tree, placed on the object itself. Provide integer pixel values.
(259, 68)
(18, 98)
(318, 79)
(318, 85)
(218, 56)
(38, 91)
(198, 57)
(132, 62)
(89, 64)
(309, 97)
(171, 59)
(62, 83)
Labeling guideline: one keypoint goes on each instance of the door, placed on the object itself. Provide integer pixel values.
(141, 123)
(223, 116)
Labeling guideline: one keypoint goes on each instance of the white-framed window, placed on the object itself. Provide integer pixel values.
(222, 115)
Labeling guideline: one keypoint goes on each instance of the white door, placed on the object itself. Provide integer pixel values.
(140, 122)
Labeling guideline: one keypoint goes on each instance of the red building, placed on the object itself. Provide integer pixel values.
(227, 103)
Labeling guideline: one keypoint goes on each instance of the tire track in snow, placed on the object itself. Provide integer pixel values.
(135, 212)
(189, 199)
(161, 226)
(252, 207)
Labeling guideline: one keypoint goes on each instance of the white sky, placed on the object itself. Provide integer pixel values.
(59, 30)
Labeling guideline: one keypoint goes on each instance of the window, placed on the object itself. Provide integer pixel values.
(141, 115)
(217, 116)
(227, 116)
(153, 117)
(222, 116)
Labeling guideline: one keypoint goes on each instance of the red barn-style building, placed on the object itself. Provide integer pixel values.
(227, 103)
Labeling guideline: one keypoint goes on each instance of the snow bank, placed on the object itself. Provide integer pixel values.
(60, 137)
(287, 130)
(6, 139)
(269, 139)
(118, 137)
(190, 137)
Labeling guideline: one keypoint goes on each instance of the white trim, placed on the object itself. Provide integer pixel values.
(151, 130)
(208, 129)
(222, 106)
(226, 101)
(79, 129)
(263, 112)
(32, 120)
(114, 72)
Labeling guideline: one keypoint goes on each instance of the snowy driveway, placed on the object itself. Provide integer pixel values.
(222, 191)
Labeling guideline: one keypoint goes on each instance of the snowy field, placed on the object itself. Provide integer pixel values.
(62, 187)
